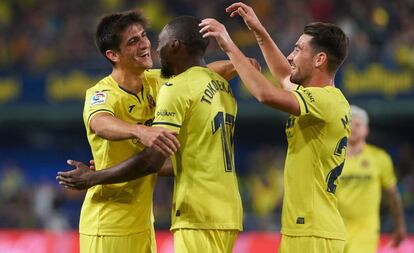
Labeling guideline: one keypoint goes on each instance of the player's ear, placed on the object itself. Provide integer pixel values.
(175, 45)
(112, 55)
(320, 59)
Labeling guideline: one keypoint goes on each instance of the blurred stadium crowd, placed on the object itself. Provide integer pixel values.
(40, 36)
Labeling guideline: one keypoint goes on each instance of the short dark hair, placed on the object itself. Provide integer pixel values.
(110, 27)
(187, 30)
(329, 38)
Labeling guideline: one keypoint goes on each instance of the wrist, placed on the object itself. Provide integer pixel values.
(138, 131)
(97, 177)
(231, 48)
(262, 35)
(92, 179)
(235, 54)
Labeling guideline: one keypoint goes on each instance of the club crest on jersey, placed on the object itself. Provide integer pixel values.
(365, 164)
(98, 98)
(151, 101)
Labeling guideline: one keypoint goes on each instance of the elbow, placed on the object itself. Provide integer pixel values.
(97, 128)
(153, 160)
(157, 165)
(98, 131)
(103, 133)
(265, 99)
(154, 168)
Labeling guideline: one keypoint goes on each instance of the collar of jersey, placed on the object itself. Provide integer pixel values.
(127, 91)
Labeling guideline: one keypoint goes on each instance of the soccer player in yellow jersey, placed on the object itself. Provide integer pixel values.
(117, 114)
(367, 170)
(317, 129)
(199, 105)
(117, 110)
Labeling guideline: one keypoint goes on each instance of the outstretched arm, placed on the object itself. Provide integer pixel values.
(255, 82)
(109, 127)
(398, 215)
(82, 177)
(276, 61)
(226, 69)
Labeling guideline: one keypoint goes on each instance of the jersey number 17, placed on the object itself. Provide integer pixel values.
(220, 121)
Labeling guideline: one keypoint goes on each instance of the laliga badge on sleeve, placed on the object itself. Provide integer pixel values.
(98, 98)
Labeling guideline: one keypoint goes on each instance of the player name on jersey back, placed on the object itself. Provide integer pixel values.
(212, 88)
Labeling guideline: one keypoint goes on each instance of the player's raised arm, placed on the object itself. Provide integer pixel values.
(276, 61)
(82, 177)
(257, 84)
(226, 69)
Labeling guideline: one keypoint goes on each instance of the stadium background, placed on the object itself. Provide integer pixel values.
(48, 59)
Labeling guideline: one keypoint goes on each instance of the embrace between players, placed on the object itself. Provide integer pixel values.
(181, 134)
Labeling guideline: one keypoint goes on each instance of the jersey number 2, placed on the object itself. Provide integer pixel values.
(220, 121)
(336, 172)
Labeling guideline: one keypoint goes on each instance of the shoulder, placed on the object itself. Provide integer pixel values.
(181, 81)
(174, 88)
(311, 93)
(377, 152)
(313, 99)
(102, 92)
(105, 84)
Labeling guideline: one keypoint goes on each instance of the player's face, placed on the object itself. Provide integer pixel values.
(300, 60)
(359, 130)
(163, 50)
(135, 48)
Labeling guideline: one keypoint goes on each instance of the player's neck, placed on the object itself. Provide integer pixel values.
(188, 63)
(320, 80)
(355, 148)
(130, 81)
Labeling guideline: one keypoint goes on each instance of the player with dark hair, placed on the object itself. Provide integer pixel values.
(108, 34)
(118, 113)
(194, 43)
(199, 105)
(317, 129)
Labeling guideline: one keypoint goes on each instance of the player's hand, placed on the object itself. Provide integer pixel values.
(76, 179)
(255, 64)
(398, 236)
(248, 15)
(161, 139)
(212, 28)
(92, 165)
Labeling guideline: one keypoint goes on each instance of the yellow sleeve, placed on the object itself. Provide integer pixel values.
(99, 101)
(172, 106)
(388, 178)
(313, 101)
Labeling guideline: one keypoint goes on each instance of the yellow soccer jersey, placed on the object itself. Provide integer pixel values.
(359, 191)
(317, 141)
(125, 208)
(200, 106)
